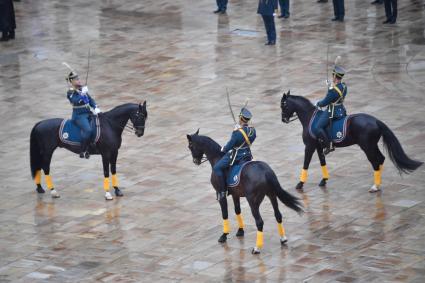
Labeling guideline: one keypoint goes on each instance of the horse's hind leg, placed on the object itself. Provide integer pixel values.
(114, 157)
(255, 209)
(236, 201)
(37, 180)
(278, 217)
(47, 158)
(325, 173)
(375, 157)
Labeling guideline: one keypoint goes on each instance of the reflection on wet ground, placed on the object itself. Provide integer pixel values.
(180, 58)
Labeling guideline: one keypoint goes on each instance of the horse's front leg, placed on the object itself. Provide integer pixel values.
(226, 224)
(114, 156)
(236, 202)
(106, 157)
(325, 173)
(308, 154)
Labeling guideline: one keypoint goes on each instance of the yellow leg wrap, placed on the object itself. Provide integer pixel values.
(260, 240)
(377, 177)
(49, 182)
(240, 220)
(281, 229)
(114, 180)
(325, 172)
(226, 226)
(37, 177)
(303, 177)
(106, 184)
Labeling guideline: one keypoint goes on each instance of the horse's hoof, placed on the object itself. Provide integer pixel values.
(255, 251)
(40, 189)
(108, 196)
(54, 193)
(118, 192)
(374, 189)
(323, 183)
(240, 232)
(223, 238)
(283, 240)
(299, 186)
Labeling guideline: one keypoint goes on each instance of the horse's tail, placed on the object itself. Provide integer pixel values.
(35, 152)
(397, 155)
(285, 197)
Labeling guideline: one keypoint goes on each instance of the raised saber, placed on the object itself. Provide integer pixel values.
(88, 66)
(230, 106)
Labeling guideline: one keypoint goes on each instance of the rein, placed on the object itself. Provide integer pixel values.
(292, 119)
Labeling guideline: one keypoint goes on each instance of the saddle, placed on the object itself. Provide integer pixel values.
(234, 173)
(70, 133)
(336, 131)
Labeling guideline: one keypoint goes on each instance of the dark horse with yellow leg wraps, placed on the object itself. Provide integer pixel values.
(257, 180)
(361, 129)
(45, 139)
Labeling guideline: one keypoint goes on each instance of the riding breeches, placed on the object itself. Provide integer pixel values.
(223, 164)
(83, 123)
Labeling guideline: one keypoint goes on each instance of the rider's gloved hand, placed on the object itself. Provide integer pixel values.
(84, 90)
(97, 110)
(237, 127)
(328, 83)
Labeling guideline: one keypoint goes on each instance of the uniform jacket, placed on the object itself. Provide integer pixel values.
(237, 144)
(81, 102)
(334, 100)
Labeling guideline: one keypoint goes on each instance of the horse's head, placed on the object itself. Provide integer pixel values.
(138, 119)
(195, 149)
(287, 107)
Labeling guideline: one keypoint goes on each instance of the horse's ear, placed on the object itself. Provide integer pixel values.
(189, 137)
(197, 132)
(289, 92)
(284, 95)
(144, 104)
(140, 107)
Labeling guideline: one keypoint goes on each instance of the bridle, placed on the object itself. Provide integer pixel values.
(129, 128)
(203, 158)
(290, 119)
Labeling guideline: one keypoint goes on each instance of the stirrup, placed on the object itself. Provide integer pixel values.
(328, 150)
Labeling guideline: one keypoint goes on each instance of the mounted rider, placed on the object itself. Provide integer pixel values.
(236, 150)
(82, 105)
(337, 90)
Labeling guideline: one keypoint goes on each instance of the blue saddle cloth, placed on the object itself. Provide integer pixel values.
(339, 127)
(70, 133)
(234, 173)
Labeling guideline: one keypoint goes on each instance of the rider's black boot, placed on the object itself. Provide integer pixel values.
(84, 150)
(325, 142)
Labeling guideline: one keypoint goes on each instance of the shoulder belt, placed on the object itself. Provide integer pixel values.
(341, 97)
(245, 136)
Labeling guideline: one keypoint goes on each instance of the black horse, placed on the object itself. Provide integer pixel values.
(257, 180)
(45, 139)
(362, 129)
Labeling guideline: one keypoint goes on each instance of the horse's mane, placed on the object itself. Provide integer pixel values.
(119, 107)
(302, 99)
(212, 146)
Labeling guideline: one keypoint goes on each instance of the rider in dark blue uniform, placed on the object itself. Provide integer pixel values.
(237, 149)
(82, 103)
(335, 108)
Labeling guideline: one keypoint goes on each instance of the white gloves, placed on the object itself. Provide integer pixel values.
(97, 110)
(328, 83)
(237, 127)
(84, 90)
